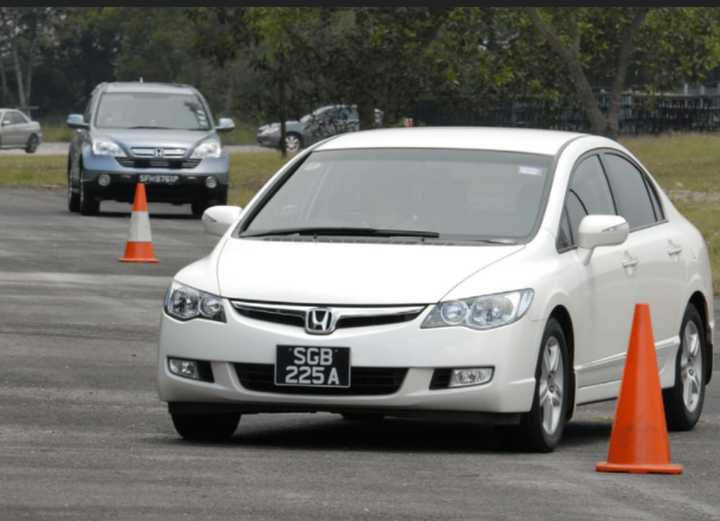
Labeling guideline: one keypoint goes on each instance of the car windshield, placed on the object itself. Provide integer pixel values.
(449, 194)
(151, 110)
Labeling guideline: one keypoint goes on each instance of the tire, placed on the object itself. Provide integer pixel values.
(293, 142)
(206, 427)
(541, 429)
(32, 144)
(73, 198)
(198, 207)
(684, 401)
(88, 205)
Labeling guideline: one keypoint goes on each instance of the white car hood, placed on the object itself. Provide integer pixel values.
(348, 273)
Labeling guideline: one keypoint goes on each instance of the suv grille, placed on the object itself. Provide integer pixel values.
(363, 381)
(158, 163)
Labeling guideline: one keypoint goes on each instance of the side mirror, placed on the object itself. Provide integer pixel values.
(76, 121)
(5, 123)
(225, 125)
(217, 219)
(601, 230)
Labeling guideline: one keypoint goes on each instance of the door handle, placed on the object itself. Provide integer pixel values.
(629, 261)
(674, 249)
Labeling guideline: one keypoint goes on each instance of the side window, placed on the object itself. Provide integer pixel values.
(14, 117)
(564, 239)
(630, 190)
(588, 194)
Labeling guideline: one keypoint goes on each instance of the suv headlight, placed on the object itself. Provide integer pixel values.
(105, 147)
(207, 149)
(184, 303)
(485, 312)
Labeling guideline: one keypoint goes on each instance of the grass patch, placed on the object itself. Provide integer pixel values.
(687, 166)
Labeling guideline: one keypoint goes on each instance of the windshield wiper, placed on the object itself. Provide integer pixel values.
(329, 231)
(152, 127)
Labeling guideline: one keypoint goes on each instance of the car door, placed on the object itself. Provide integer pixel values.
(603, 287)
(6, 130)
(14, 130)
(657, 247)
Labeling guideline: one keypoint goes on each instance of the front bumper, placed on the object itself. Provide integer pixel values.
(189, 186)
(512, 351)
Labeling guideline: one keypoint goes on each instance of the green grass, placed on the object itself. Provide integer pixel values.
(687, 166)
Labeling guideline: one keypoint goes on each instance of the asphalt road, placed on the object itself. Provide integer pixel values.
(55, 148)
(84, 437)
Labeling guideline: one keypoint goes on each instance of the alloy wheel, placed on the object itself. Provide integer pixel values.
(552, 385)
(690, 366)
(292, 143)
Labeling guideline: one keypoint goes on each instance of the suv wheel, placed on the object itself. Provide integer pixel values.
(88, 205)
(73, 198)
(198, 207)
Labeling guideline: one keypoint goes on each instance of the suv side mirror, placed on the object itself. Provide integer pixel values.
(225, 125)
(76, 121)
(217, 219)
(601, 230)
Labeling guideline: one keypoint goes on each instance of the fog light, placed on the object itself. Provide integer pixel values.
(103, 179)
(184, 368)
(470, 376)
(211, 182)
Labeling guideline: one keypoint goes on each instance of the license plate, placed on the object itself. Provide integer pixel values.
(158, 179)
(312, 366)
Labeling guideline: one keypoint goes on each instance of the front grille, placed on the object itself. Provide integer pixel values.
(174, 164)
(294, 315)
(364, 381)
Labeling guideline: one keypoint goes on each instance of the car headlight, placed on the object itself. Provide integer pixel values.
(184, 303)
(207, 149)
(105, 147)
(485, 312)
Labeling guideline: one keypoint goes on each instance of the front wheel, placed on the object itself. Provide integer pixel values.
(73, 198)
(684, 401)
(541, 429)
(32, 144)
(206, 427)
(88, 204)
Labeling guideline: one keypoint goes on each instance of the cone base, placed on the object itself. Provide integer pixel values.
(640, 468)
(139, 252)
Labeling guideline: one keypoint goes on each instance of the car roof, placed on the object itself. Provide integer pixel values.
(532, 141)
(137, 86)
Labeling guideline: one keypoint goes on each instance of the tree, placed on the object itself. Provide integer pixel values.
(24, 31)
(598, 46)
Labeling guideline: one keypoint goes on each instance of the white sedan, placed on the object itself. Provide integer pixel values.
(477, 274)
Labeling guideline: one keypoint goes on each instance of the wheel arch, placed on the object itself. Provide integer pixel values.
(562, 315)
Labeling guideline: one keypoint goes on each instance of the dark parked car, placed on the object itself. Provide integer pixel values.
(321, 123)
(162, 135)
(19, 131)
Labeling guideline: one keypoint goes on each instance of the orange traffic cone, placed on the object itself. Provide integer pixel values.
(639, 439)
(139, 246)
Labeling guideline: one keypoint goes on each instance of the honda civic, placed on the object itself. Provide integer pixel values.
(470, 274)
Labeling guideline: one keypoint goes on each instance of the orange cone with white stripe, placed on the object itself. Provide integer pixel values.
(139, 246)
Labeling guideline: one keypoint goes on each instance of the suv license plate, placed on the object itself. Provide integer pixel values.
(158, 179)
(312, 366)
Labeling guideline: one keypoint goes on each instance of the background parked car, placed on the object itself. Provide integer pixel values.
(321, 123)
(159, 134)
(19, 131)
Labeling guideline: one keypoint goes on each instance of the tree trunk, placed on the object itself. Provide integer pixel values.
(613, 116)
(29, 70)
(18, 76)
(570, 55)
(4, 84)
(366, 112)
(282, 112)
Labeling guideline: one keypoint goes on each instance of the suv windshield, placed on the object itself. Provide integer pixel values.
(451, 194)
(151, 110)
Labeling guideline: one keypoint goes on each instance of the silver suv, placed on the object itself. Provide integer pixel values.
(159, 134)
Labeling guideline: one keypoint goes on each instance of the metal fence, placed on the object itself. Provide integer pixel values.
(638, 115)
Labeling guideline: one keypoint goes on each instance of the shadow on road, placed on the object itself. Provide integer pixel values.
(394, 435)
(153, 215)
